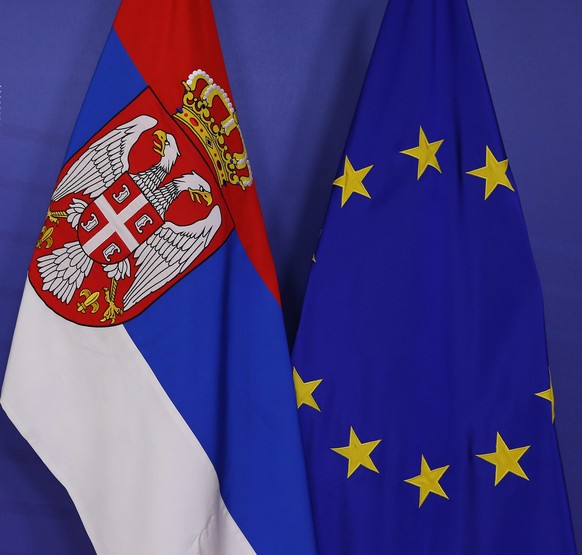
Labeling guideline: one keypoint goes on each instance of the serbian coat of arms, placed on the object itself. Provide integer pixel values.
(140, 206)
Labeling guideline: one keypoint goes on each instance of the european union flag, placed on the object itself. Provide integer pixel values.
(421, 370)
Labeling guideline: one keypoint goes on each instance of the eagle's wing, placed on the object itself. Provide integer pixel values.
(104, 161)
(167, 253)
(64, 270)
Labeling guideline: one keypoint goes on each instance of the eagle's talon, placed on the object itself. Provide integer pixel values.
(53, 216)
(112, 311)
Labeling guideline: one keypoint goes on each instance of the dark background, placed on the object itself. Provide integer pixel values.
(296, 69)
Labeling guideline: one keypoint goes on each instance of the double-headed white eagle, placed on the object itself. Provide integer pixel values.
(165, 254)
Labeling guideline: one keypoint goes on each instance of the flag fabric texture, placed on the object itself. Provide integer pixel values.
(421, 371)
(149, 367)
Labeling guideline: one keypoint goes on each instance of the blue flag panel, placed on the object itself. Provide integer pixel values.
(421, 369)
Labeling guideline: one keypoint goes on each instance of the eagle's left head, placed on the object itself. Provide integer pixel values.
(197, 187)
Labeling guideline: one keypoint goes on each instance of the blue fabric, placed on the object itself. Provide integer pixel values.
(424, 319)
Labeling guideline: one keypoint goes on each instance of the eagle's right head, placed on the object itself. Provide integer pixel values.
(166, 146)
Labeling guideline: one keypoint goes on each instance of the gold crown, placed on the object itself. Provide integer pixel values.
(208, 113)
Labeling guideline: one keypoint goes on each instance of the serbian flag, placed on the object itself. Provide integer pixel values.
(149, 368)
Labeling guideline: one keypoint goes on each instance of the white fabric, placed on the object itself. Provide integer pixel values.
(90, 405)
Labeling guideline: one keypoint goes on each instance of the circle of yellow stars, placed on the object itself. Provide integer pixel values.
(358, 453)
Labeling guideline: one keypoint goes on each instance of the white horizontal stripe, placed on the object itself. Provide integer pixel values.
(91, 407)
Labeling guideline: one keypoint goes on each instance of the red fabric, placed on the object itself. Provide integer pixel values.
(167, 41)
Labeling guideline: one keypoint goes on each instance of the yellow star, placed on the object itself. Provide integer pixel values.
(304, 391)
(425, 152)
(428, 481)
(358, 453)
(548, 394)
(352, 181)
(505, 460)
(493, 172)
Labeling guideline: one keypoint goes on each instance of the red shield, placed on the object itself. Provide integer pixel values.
(86, 256)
